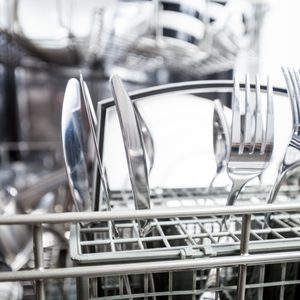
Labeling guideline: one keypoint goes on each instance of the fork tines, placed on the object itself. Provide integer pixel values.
(248, 134)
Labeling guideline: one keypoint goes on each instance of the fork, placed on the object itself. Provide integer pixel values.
(291, 158)
(251, 143)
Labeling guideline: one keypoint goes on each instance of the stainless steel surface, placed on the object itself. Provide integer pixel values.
(167, 266)
(147, 139)
(133, 130)
(134, 148)
(39, 259)
(72, 139)
(199, 88)
(251, 149)
(106, 270)
(88, 102)
(153, 213)
(245, 236)
(91, 121)
(196, 235)
(221, 137)
(291, 159)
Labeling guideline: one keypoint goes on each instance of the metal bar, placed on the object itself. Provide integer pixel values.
(261, 280)
(289, 228)
(203, 85)
(55, 218)
(146, 284)
(136, 229)
(185, 232)
(233, 236)
(275, 232)
(218, 283)
(170, 284)
(253, 233)
(245, 234)
(246, 224)
(194, 284)
(283, 275)
(152, 286)
(151, 267)
(39, 260)
(255, 247)
(213, 240)
(162, 235)
(121, 289)
(82, 288)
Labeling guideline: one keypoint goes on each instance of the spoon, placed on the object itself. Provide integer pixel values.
(72, 140)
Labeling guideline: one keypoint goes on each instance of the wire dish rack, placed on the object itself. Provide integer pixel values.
(176, 260)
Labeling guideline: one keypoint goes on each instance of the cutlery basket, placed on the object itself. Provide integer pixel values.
(173, 238)
(175, 260)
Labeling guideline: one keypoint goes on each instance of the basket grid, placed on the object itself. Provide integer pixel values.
(202, 236)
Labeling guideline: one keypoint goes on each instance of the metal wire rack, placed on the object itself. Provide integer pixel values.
(184, 245)
(196, 236)
(169, 236)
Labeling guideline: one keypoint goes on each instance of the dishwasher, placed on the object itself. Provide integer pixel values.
(154, 162)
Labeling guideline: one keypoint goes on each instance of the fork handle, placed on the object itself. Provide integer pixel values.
(235, 190)
(285, 172)
(236, 187)
(276, 187)
(274, 191)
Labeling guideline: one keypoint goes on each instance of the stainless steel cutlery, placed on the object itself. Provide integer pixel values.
(252, 142)
(221, 137)
(72, 140)
(134, 148)
(291, 159)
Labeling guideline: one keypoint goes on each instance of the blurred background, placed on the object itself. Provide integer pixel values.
(44, 43)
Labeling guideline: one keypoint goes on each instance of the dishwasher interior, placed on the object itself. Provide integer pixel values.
(118, 124)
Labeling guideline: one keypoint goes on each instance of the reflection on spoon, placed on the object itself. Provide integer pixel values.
(72, 141)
